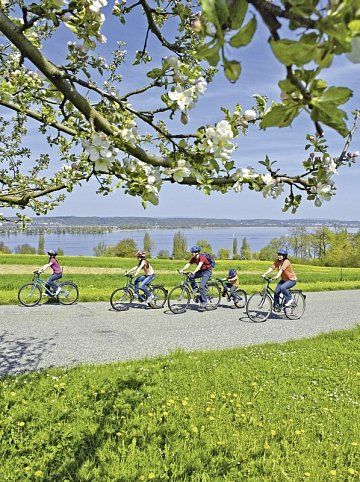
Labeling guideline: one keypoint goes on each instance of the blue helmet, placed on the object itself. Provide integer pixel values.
(52, 253)
(232, 273)
(282, 252)
(195, 249)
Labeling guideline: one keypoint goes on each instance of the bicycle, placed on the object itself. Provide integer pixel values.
(122, 298)
(260, 305)
(240, 295)
(31, 294)
(180, 296)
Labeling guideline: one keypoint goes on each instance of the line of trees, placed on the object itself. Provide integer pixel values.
(323, 246)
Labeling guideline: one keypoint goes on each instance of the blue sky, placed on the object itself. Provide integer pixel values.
(260, 74)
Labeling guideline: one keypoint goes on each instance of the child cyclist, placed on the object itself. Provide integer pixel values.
(141, 282)
(53, 263)
(232, 282)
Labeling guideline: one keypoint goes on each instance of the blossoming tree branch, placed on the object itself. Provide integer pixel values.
(80, 109)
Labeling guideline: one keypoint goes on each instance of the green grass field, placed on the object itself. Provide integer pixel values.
(98, 277)
(277, 412)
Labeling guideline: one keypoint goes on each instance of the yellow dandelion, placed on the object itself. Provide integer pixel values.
(273, 433)
(211, 418)
(170, 402)
(165, 414)
(306, 474)
(142, 477)
(27, 469)
(184, 402)
(208, 409)
(13, 394)
(151, 476)
(351, 471)
(333, 472)
(266, 446)
(39, 473)
(21, 424)
(212, 396)
(354, 444)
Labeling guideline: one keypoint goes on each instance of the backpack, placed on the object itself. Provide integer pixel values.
(210, 258)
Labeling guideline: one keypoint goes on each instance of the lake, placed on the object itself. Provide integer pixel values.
(83, 244)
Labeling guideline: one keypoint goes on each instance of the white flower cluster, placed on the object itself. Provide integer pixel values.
(217, 141)
(130, 134)
(242, 174)
(180, 171)
(184, 98)
(150, 177)
(100, 151)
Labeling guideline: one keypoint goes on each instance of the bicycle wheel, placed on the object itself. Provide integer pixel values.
(69, 293)
(159, 297)
(240, 298)
(213, 296)
(258, 307)
(29, 295)
(121, 299)
(296, 310)
(178, 299)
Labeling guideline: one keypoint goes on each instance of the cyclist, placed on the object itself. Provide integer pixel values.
(53, 263)
(142, 281)
(203, 270)
(288, 278)
(232, 282)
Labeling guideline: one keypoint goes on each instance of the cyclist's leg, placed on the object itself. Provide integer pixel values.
(205, 276)
(137, 282)
(143, 285)
(286, 285)
(233, 292)
(277, 292)
(50, 285)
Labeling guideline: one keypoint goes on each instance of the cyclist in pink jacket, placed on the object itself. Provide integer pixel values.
(57, 272)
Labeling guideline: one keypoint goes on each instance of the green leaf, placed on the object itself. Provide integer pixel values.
(222, 11)
(279, 115)
(232, 70)
(237, 12)
(155, 73)
(334, 95)
(331, 116)
(209, 10)
(289, 52)
(354, 27)
(211, 54)
(244, 35)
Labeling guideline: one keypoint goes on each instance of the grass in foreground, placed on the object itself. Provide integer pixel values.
(276, 412)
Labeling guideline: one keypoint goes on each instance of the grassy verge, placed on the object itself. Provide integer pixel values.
(98, 277)
(284, 412)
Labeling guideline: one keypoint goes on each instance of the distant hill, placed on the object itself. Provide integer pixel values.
(130, 222)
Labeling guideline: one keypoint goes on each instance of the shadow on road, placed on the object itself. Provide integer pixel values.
(22, 355)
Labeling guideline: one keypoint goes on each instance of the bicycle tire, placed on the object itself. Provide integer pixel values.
(213, 295)
(29, 295)
(241, 298)
(178, 300)
(121, 299)
(259, 307)
(159, 297)
(69, 293)
(297, 309)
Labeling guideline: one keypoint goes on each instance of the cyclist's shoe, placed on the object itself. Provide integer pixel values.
(150, 299)
(277, 308)
(197, 299)
(289, 303)
(202, 307)
(57, 292)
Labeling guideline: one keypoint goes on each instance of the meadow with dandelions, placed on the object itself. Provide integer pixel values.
(276, 412)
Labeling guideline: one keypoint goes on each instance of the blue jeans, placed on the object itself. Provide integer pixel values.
(205, 276)
(141, 282)
(50, 282)
(283, 287)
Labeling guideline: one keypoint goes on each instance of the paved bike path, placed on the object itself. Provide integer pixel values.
(56, 335)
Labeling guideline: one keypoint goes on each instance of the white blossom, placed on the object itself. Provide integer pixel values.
(250, 115)
(183, 98)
